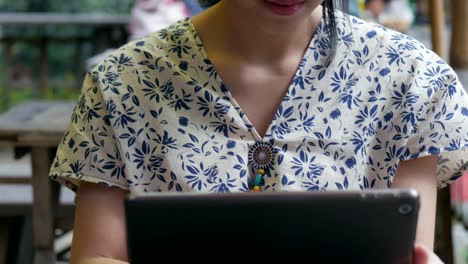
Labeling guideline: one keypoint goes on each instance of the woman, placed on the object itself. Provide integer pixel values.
(148, 16)
(376, 7)
(261, 95)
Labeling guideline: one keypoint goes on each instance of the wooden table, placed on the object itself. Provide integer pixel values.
(39, 126)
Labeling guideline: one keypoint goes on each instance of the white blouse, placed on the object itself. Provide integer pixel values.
(155, 117)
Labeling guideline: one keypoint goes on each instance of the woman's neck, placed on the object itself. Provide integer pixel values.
(225, 30)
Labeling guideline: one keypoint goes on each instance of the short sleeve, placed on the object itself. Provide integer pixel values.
(89, 150)
(437, 108)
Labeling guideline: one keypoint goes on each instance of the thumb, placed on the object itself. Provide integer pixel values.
(422, 255)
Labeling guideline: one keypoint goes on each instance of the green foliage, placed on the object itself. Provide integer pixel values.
(95, 6)
(27, 93)
(66, 59)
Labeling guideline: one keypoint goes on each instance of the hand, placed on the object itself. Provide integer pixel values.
(422, 255)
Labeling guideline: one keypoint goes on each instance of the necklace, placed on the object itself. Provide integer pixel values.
(261, 157)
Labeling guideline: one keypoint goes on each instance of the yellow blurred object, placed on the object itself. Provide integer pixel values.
(362, 5)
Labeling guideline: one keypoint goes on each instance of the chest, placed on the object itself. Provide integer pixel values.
(258, 91)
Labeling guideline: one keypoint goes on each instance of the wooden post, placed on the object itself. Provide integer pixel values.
(443, 235)
(43, 66)
(7, 81)
(45, 195)
(459, 40)
(78, 65)
(437, 13)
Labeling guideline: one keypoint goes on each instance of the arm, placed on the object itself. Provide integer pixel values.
(99, 230)
(420, 174)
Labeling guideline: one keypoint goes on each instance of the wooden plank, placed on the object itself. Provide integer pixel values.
(19, 115)
(47, 117)
(28, 140)
(459, 39)
(33, 139)
(31, 18)
(15, 180)
(40, 139)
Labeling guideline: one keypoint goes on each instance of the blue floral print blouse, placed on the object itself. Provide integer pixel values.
(155, 117)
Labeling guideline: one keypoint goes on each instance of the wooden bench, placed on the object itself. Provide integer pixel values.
(16, 205)
(38, 127)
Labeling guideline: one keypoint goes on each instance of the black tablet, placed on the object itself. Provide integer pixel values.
(372, 226)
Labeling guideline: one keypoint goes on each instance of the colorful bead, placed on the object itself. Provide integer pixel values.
(261, 171)
(258, 179)
(256, 188)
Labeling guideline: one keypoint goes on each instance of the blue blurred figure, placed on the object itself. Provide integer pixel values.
(193, 7)
(353, 7)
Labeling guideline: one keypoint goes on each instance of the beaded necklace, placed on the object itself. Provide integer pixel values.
(261, 157)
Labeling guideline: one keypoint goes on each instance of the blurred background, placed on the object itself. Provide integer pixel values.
(46, 48)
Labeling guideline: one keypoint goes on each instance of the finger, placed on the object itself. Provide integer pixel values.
(420, 255)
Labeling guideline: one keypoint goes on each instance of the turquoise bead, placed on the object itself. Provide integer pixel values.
(258, 179)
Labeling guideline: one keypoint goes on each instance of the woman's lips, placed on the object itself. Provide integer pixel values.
(285, 2)
(284, 7)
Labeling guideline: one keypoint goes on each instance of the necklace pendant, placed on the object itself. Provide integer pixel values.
(261, 156)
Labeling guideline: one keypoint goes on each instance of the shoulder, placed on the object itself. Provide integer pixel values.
(394, 48)
(166, 45)
(388, 54)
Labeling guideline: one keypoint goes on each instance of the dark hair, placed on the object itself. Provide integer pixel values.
(329, 7)
(208, 3)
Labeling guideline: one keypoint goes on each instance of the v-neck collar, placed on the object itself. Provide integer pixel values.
(224, 88)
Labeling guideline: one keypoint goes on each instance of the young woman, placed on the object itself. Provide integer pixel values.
(261, 95)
